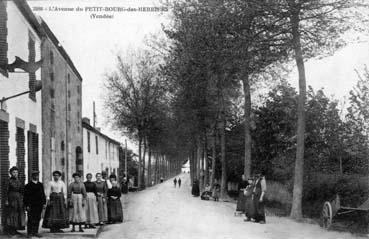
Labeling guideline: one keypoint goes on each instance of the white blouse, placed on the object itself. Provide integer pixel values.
(57, 187)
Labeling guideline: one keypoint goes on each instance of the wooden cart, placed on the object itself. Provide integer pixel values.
(335, 214)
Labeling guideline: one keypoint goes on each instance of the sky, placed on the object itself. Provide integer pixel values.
(92, 44)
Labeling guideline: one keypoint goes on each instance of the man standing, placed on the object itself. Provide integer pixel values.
(175, 182)
(34, 201)
(179, 182)
(258, 197)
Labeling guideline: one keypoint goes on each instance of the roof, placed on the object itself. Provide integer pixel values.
(30, 16)
(58, 46)
(89, 127)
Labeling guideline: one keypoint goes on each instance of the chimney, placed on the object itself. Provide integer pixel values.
(86, 120)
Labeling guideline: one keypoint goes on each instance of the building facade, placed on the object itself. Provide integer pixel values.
(21, 116)
(100, 153)
(61, 110)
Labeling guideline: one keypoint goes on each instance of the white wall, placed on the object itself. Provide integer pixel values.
(21, 107)
(107, 157)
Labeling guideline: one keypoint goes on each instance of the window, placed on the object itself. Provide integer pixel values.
(88, 142)
(51, 75)
(78, 89)
(52, 93)
(51, 58)
(97, 145)
(68, 93)
(69, 107)
(68, 78)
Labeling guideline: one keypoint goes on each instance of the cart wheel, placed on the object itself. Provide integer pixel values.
(327, 215)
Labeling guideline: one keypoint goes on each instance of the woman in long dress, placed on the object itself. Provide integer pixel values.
(92, 216)
(77, 197)
(14, 213)
(258, 194)
(56, 196)
(195, 188)
(115, 212)
(101, 191)
(249, 204)
(241, 200)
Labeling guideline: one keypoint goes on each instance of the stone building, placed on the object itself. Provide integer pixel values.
(20, 117)
(61, 110)
(100, 153)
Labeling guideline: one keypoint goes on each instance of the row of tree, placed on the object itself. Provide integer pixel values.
(180, 99)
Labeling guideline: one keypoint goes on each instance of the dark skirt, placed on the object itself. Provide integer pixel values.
(249, 207)
(195, 190)
(15, 217)
(115, 211)
(56, 214)
(259, 210)
(241, 202)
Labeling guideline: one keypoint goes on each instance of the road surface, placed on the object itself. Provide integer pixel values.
(165, 212)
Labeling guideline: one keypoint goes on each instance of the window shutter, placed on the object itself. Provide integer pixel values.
(4, 162)
(3, 38)
(21, 164)
(32, 58)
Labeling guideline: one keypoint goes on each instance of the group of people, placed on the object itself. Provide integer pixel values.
(179, 181)
(209, 192)
(251, 198)
(82, 203)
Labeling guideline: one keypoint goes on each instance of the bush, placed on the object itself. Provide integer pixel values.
(318, 188)
(278, 198)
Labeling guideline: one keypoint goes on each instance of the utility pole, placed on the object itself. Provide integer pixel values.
(94, 116)
(125, 160)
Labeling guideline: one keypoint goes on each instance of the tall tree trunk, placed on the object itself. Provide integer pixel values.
(223, 184)
(198, 160)
(296, 210)
(139, 161)
(246, 90)
(214, 155)
(149, 179)
(156, 168)
(192, 167)
(144, 162)
(206, 162)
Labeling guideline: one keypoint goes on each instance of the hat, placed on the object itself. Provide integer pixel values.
(76, 175)
(56, 172)
(34, 172)
(113, 176)
(14, 168)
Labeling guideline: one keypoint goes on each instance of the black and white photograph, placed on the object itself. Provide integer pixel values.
(184, 119)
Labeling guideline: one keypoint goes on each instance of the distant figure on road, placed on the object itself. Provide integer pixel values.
(179, 182)
(175, 182)
(195, 188)
(207, 193)
(161, 179)
(216, 191)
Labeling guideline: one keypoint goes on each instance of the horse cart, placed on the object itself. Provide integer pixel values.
(335, 215)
